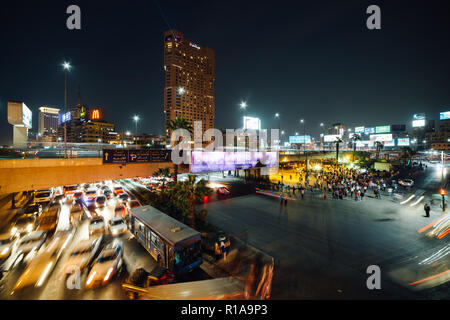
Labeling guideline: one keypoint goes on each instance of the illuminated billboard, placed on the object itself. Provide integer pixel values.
(403, 142)
(351, 134)
(382, 129)
(419, 116)
(96, 114)
(222, 161)
(381, 137)
(66, 117)
(299, 139)
(418, 123)
(19, 114)
(359, 129)
(444, 115)
(330, 137)
(252, 123)
(389, 143)
(369, 130)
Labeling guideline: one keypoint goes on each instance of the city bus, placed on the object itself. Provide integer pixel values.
(172, 244)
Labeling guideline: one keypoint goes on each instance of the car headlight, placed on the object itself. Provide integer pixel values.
(29, 227)
(13, 231)
(4, 251)
(91, 277)
(108, 274)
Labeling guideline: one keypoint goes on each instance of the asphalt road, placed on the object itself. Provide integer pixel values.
(323, 248)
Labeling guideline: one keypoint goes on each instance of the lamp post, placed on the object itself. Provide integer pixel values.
(136, 119)
(66, 66)
(243, 106)
(304, 146)
(277, 116)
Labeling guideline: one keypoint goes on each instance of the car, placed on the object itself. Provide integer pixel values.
(69, 191)
(133, 204)
(30, 244)
(77, 197)
(42, 196)
(35, 209)
(107, 193)
(105, 267)
(76, 213)
(100, 201)
(86, 186)
(117, 226)
(48, 221)
(118, 190)
(223, 191)
(82, 255)
(25, 223)
(96, 225)
(42, 265)
(89, 196)
(406, 182)
(124, 197)
(8, 244)
(120, 210)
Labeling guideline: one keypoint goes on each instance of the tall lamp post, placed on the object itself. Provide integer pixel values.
(304, 146)
(136, 119)
(243, 106)
(277, 116)
(66, 66)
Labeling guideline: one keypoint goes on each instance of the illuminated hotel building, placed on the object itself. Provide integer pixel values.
(48, 121)
(189, 81)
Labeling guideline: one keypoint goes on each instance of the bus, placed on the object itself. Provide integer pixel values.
(172, 244)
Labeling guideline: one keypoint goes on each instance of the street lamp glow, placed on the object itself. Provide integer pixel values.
(301, 120)
(321, 124)
(277, 115)
(243, 105)
(128, 133)
(180, 90)
(66, 66)
(136, 118)
(296, 133)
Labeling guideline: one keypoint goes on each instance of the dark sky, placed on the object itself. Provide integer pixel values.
(304, 59)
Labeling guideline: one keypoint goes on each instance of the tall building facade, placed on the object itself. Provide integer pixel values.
(48, 121)
(189, 81)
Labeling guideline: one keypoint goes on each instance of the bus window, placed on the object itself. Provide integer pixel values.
(188, 255)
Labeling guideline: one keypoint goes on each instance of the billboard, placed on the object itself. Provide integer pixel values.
(252, 123)
(369, 130)
(331, 137)
(382, 129)
(381, 137)
(389, 143)
(444, 115)
(19, 114)
(96, 114)
(419, 116)
(299, 139)
(135, 156)
(66, 117)
(351, 134)
(221, 161)
(359, 129)
(403, 142)
(418, 123)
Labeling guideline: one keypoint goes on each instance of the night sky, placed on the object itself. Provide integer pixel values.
(304, 59)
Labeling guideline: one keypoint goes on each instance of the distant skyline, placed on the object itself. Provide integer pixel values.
(311, 60)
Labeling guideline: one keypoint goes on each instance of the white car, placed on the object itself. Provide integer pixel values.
(30, 244)
(97, 225)
(117, 226)
(82, 255)
(42, 196)
(108, 263)
(406, 182)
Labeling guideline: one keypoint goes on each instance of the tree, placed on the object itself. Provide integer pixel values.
(163, 173)
(355, 138)
(187, 193)
(338, 141)
(379, 146)
(178, 123)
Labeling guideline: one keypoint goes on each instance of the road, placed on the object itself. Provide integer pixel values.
(322, 248)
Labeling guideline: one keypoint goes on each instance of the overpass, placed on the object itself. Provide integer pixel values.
(34, 174)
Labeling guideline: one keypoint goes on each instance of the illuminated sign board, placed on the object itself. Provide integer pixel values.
(66, 117)
(96, 114)
(330, 137)
(359, 129)
(444, 115)
(252, 123)
(418, 123)
(381, 137)
(220, 161)
(194, 45)
(403, 142)
(389, 143)
(419, 116)
(351, 134)
(369, 130)
(26, 116)
(299, 139)
(383, 129)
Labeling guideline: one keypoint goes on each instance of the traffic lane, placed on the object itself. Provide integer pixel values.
(324, 246)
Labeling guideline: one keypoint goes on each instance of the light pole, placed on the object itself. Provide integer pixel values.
(304, 146)
(321, 131)
(136, 119)
(277, 116)
(243, 106)
(66, 66)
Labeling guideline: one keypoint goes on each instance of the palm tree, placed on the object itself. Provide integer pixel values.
(163, 173)
(355, 138)
(338, 141)
(191, 192)
(178, 123)
(379, 146)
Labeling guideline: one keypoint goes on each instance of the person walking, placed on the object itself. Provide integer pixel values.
(427, 208)
(303, 193)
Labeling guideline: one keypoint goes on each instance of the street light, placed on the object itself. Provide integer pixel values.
(243, 106)
(180, 90)
(66, 66)
(304, 147)
(136, 119)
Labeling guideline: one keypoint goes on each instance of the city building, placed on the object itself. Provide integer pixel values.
(440, 140)
(189, 81)
(48, 122)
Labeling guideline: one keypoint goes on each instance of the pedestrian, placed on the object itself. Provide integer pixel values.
(427, 208)
(303, 193)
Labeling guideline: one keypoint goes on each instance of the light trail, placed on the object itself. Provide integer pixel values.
(414, 203)
(407, 200)
(432, 224)
(429, 278)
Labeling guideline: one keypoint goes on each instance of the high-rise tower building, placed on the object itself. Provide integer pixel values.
(48, 121)
(189, 81)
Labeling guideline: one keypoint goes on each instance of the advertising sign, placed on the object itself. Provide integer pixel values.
(252, 123)
(351, 134)
(418, 123)
(115, 156)
(135, 156)
(66, 117)
(26, 116)
(381, 137)
(299, 139)
(221, 161)
(96, 114)
(419, 116)
(330, 137)
(369, 130)
(359, 129)
(444, 115)
(403, 142)
(389, 143)
(383, 129)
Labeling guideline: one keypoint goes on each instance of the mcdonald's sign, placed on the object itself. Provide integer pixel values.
(96, 114)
